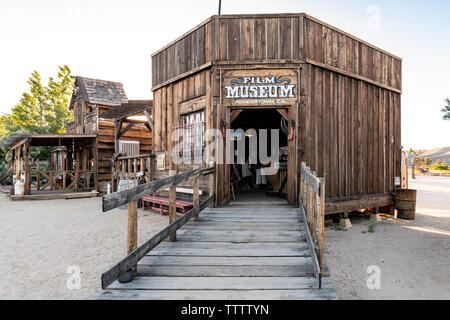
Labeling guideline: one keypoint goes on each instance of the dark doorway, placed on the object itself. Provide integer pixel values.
(249, 179)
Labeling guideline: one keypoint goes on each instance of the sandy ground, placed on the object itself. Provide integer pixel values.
(39, 240)
(413, 256)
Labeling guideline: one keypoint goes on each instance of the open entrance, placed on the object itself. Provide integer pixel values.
(252, 177)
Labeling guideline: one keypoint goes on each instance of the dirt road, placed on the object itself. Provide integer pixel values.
(413, 256)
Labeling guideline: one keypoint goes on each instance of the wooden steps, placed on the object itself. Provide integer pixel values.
(255, 251)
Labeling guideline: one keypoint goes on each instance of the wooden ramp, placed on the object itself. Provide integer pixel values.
(246, 250)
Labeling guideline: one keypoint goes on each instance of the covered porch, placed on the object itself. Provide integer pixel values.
(70, 171)
(130, 164)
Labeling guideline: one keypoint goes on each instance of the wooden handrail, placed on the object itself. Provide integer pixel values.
(137, 254)
(312, 208)
(130, 196)
(118, 199)
(137, 157)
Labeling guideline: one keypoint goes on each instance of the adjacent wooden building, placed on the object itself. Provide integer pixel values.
(102, 108)
(340, 95)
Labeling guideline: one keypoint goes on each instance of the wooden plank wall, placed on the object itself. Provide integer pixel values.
(243, 38)
(332, 47)
(349, 133)
(167, 105)
(187, 53)
(349, 116)
(106, 145)
(239, 38)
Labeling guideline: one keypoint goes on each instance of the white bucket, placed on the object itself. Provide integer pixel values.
(19, 188)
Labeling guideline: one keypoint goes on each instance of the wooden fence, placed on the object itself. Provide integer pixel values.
(131, 168)
(131, 197)
(312, 208)
(63, 180)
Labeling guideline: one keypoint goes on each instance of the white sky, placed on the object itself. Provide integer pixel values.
(113, 40)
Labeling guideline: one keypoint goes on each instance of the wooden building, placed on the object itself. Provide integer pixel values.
(102, 108)
(69, 173)
(339, 95)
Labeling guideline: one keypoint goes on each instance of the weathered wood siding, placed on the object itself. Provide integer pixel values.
(349, 132)
(106, 145)
(348, 116)
(189, 52)
(175, 99)
(334, 48)
(239, 38)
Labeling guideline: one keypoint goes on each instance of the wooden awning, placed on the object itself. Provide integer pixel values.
(131, 109)
(47, 139)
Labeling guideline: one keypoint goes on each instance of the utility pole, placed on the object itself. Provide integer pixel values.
(220, 6)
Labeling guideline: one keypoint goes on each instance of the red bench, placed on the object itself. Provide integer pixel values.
(153, 200)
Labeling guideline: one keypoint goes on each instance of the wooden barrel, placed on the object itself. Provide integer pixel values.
(405, 203)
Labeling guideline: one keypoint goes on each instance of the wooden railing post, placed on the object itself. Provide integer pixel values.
(321, 223)
(172, 210)
(38, 180)
(196, 197)
(132, 228)
(51, 180)
(312, 208)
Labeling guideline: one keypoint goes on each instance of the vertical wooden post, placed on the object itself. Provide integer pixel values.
(321, 223)
(27, 169)
(135, 169)
(124, 168)
(38, 179)
(130, 169)
(77, 166)
(142, 166)
(116, 134)
(132, 228)
(172, 210)
(311, 217)
(196, 197)
(50, 175)
(95, 152)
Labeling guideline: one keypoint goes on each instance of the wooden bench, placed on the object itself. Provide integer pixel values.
(153, 200)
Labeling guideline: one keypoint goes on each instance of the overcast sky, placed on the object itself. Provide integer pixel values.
(113, 40)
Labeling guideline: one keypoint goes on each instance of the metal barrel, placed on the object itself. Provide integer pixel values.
(405, 203)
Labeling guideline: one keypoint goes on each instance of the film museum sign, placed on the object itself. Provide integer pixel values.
(267, 87)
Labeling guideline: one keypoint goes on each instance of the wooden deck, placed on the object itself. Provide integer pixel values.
(247, 250)
(54, 194)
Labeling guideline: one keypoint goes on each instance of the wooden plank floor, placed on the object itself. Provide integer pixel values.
(248, 250)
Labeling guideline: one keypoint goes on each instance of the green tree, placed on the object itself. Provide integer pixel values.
(446, 109)
(44, 109)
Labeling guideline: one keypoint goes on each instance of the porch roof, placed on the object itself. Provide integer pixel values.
(47, 139)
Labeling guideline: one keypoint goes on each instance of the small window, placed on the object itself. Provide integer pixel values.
(129, 148)
(193, 125)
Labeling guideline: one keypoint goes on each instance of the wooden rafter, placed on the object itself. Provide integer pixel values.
(149, 120)
(125, 130)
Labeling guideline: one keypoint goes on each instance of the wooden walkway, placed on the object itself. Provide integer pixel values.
(246, 250)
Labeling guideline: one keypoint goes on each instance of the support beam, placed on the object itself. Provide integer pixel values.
(128, 127)
(149, 120)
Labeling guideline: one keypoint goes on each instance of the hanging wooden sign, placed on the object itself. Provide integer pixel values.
(259, 87)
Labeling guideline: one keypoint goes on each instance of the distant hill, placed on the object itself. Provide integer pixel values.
(442, 154)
